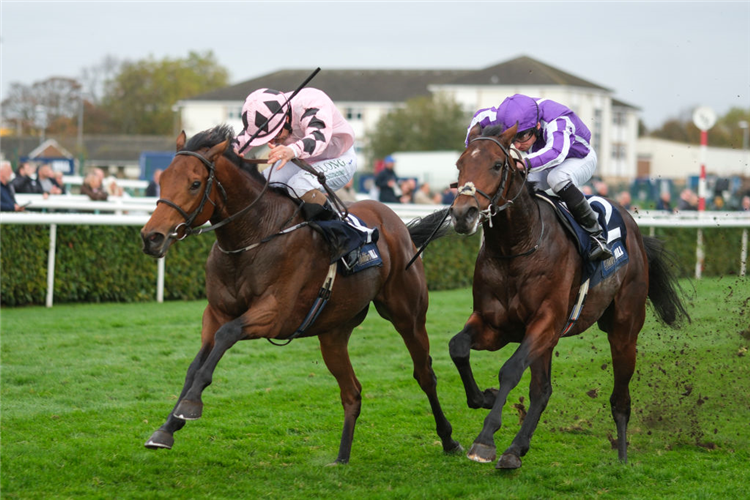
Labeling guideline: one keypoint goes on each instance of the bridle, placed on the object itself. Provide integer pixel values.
(190, 218)
(469, 189)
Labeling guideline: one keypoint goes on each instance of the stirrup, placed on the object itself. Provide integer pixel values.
(351, 259)
(600, 250)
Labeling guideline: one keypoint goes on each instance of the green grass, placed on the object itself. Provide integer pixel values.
(83, 387)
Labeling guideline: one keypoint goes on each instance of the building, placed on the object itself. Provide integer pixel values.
(364, 96)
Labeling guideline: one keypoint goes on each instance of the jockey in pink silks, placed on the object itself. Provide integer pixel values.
(308, 127)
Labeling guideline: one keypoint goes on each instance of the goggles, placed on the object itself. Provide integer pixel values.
(525, 135)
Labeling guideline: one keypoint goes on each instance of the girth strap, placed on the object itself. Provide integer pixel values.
(320, 302)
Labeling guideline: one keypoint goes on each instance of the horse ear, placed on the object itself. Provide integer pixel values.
(475, 132)
(217, 150)
(507, 137)
(181, 140)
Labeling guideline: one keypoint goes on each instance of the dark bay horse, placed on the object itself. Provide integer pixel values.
(261, 283)
(526, 283)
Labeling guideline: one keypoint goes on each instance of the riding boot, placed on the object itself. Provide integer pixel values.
(319, 206)
(323, 210)
(587, 219)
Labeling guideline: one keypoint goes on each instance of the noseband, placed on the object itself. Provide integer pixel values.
(469, 189)
(190, 218)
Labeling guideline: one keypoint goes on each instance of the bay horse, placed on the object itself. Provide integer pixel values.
(262, 276)
(526, 282)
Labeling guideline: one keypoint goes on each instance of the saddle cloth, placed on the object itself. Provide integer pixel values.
(613, 229)
(347, 236)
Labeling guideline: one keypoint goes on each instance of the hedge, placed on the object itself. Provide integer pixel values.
(106, 264)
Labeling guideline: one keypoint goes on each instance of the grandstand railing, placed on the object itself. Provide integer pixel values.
(135, 211)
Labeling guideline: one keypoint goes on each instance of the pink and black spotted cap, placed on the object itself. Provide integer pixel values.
(262, 114)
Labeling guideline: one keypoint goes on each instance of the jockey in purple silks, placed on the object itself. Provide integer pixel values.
(558, 154)
(308, 127)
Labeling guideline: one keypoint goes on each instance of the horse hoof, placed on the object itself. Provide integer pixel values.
(188, 410)
(508, 461)
(454, 449)
(482, 453)
(160, 439)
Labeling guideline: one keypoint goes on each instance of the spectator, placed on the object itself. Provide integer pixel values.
(25, 182)
(423, 195)
(153, 189)
(664, 202)
(586, 190)
(408, 187)
(623, 198)
(347, 194)
(92, 187)
(448, 195)
(7, 193)
(386, 182)
(688, 201)
(60, 182)
(601, 188)
(745, 203)
(47, 180)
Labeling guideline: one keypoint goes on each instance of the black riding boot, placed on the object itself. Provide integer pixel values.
(317, 206)
(588, 220)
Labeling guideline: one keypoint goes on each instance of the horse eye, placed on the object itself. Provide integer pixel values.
(498, 165)
(195, 185)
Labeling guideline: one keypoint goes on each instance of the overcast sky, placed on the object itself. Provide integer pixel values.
(662, 57)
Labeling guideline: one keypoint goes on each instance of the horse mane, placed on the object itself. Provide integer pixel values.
(220, 133)
(492, 131)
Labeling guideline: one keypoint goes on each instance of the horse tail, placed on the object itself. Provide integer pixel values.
(664, 289)
(431, 227)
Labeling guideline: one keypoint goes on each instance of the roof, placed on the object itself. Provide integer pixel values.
(393, 85)
(109, 148)
(341, 85)
(524, 70)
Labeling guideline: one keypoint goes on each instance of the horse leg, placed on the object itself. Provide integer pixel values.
(532, 347)
(460, 351)
(622, 343)
(540, 390)
(333, 346)
(190, 407)
(163, 437)
(416, 340)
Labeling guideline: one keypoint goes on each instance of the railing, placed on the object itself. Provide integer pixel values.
(135, 211)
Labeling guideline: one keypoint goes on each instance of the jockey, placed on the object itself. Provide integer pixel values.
(308, 127)
(558, 154)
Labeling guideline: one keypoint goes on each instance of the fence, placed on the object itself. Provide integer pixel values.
(131, 211)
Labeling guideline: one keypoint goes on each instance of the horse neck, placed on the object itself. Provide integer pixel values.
(269, 209)
(515, 229)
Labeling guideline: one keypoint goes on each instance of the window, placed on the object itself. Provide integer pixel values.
(353, 114)
(234, 112)
(596, 132)
(619, 151)
(619, 118)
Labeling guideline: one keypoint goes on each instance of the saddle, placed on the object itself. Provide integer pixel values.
(349, 240)
(613, 229)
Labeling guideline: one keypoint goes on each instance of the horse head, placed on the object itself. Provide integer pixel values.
(190, 193)
(485, 168)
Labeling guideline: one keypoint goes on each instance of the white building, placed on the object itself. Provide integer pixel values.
(364, 96)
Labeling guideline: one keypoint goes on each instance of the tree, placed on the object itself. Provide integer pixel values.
(725, 133)
(428, 123)
(54, 99)
(140, 97)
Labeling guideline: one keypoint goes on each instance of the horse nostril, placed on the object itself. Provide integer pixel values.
(472, 213)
